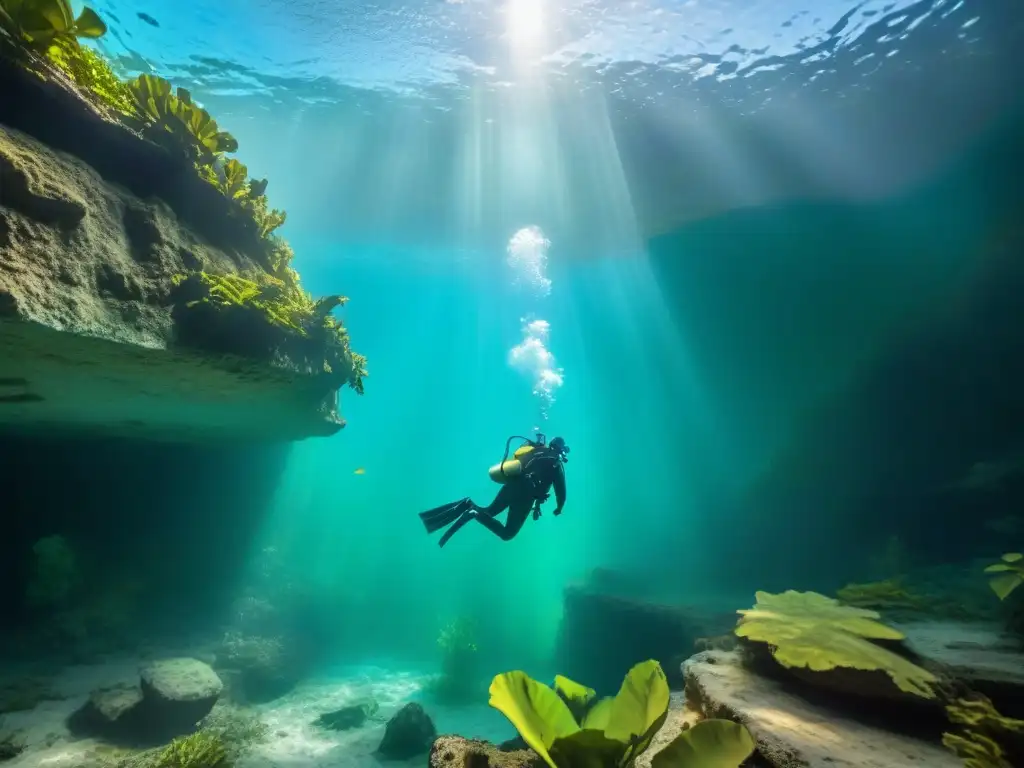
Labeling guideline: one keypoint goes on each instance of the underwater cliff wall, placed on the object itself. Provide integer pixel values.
(888, 361)
(157, 350)
(143, 291)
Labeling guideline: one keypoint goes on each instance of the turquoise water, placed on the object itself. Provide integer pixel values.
(411, 142)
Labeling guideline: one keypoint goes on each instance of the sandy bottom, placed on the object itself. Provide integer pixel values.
(293, 741)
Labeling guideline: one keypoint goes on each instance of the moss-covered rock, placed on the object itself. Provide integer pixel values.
(114, 255)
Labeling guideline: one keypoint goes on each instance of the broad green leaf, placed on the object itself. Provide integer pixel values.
(573, 691)
(805, 629)
(708, 744)
(537, 712)
(1013, 557)
(588, 749)
(56, 12)
(1005, 583)
(599, 715)
(89, 24)
(640, 707)
(999, 568)
(234, 179)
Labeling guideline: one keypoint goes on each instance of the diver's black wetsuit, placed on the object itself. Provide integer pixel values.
(542, 470)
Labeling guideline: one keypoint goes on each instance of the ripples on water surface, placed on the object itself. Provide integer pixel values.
(695, 105)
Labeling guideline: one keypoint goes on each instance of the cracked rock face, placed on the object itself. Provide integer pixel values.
(83, 256)
(86, 331)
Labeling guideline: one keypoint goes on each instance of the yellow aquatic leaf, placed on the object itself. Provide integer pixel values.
(812, 631)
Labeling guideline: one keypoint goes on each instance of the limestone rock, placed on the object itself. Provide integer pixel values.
(978, 655)
(457, 752)
(95, 223)
(114, 706)
(183, 690)
(171, 697)
(792, 731)
(409, 733)
(631, 630)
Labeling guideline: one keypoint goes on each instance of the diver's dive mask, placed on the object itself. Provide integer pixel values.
(558, 446)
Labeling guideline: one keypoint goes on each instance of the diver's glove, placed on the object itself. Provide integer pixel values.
(557, 512)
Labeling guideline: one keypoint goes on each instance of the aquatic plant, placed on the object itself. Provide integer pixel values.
(38, 23)
(1009, 574)
(284, 307)
(92, 74)
(459, 680)
(249, 194)
(978, 742)
(188, 126)
(806, 629)
(612, 731)
(237, 730)
(889, 594)
(578, 698)
(976, 750)
(201, 749)
(169, 117)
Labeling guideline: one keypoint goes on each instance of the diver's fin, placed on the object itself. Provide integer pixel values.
(437, 518)
(465, 518)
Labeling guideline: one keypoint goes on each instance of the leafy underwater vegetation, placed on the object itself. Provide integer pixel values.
(982, 730)
(282, 307)
(201, 749)
(806, 629)
(151, 106)
(459, 680)
(1009, 574)
(91, 72)
(570, 726)
(38, 23)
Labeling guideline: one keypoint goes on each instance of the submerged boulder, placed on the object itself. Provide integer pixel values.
(171, 697)
(180, 692)
(347, 718)
(409, 732)
(113, 710)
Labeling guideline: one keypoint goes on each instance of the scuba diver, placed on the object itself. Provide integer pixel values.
(526, 478)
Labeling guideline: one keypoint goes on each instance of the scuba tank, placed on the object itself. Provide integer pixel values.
(507, 468)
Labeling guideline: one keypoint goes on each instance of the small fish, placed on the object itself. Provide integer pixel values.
(148, 19)
(359, 471)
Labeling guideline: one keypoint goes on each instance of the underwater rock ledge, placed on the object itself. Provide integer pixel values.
(96, 225)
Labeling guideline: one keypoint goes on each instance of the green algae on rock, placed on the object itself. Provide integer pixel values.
(103, 234)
